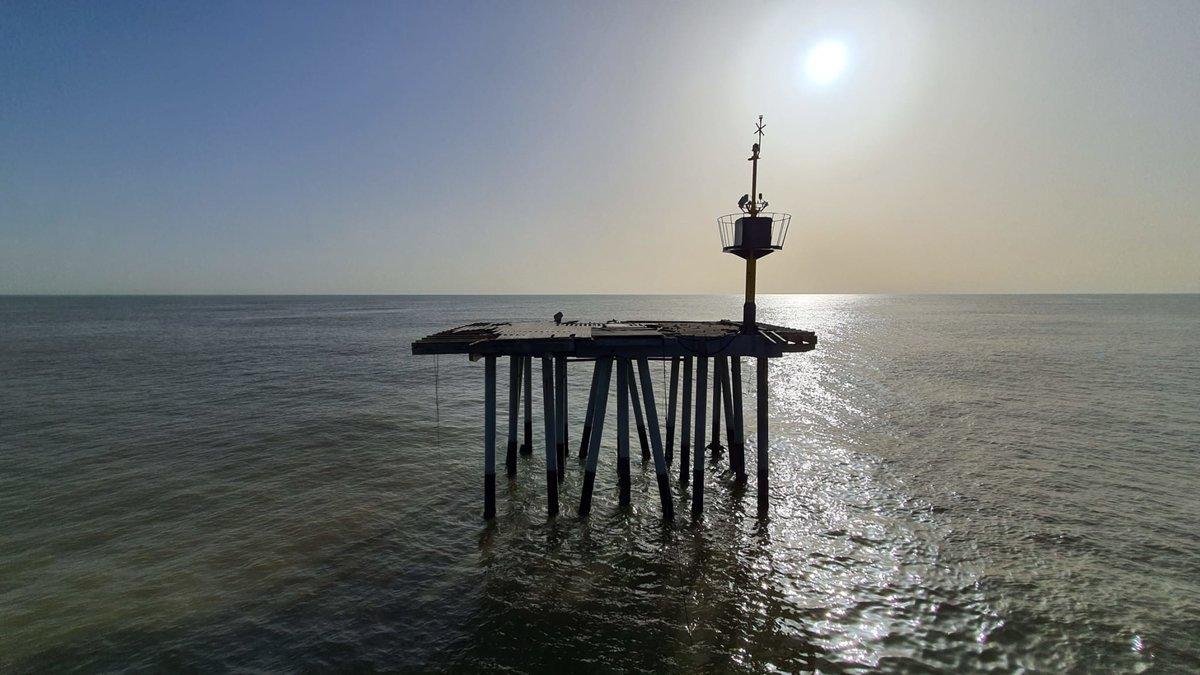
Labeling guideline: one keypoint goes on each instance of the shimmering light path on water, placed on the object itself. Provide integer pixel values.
(960, 483)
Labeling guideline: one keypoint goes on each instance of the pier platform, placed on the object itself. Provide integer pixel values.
(629, 339)
(626, 348)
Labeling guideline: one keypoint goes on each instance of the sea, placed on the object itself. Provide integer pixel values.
(959, 483)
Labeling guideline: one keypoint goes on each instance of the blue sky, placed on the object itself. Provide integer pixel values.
(588, 147)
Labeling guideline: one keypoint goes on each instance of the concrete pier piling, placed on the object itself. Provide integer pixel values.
(727, 408)
(656, 446)
(586, 434)
(489, 438)
(685, 428)
(515, 367)
(763, 459)
(715, 444)
(527, 445)
(637, 412)
(623, 430)
(560, 415)
(672, 400)
(600, 395)
(564, 418)
(550, 429)
(698, 441)
(737, 454)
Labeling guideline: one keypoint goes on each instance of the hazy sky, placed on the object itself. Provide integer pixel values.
(400, 147)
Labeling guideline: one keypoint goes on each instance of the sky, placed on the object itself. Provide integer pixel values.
(588, 147)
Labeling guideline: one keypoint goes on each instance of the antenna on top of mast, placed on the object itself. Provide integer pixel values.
(755, 202)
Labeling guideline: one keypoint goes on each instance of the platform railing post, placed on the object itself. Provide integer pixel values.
(489, 437)
(698, 441)
(637, 411)
(549, 428)
(715, 444)
(623, 430)
(685, 427)
(560, 414)
(586, 435)
(672, 400)
(656, 447)
(600, 394)
(763, 459)
(527, 446)
(514, 399)
(738, 452)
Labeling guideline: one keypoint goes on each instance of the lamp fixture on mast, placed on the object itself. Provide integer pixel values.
(753, 233)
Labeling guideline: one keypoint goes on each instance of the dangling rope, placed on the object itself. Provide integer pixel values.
(437, 405)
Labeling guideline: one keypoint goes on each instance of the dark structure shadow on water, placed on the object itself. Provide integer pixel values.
(626, 592)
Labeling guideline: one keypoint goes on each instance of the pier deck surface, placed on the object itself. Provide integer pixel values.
(616, 338)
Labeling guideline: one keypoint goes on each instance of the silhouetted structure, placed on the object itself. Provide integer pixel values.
(628, 347)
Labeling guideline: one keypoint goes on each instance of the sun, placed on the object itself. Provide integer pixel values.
(825, 61)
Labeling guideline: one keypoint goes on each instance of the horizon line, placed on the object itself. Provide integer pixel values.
(334, 295)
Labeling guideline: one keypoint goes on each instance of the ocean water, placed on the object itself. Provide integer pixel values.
(960, 483)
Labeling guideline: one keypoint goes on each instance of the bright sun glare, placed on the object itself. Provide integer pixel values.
(825, 61)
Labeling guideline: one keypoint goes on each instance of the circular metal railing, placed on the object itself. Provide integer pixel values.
(780, 222)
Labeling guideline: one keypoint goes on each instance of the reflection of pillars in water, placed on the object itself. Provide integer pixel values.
(600, 395)
(527, 446)
(560, 414)
(715, 444)
(637, 410)
(623, 430)
(672, 399)
(585, 436)
(489, 437)
(660, 461)
(549, 428)
(737, 454)
(763, 462)
(698, 441)
(685, 428)
(515, 366)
